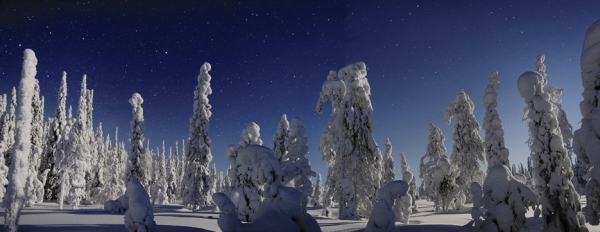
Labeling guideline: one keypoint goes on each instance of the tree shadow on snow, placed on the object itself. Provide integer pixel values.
(104, 227)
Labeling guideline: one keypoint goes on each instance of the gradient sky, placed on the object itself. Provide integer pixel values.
(271, 58)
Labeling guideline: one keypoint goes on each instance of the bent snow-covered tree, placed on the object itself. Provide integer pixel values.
(347, 142)
(552, 174)
(587, 138)
(196, 186)
(496, 152)
(467, 150)
(17, 172)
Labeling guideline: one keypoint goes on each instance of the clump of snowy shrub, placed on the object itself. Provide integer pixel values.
(506, 201)
(140, 215)
(383, 217)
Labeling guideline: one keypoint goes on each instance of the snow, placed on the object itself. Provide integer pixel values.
(140, 214)
(173, 217)
(383, 218)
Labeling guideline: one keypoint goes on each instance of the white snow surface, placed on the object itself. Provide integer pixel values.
(173, 217)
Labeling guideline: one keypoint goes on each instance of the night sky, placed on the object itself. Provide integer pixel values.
(271, 58)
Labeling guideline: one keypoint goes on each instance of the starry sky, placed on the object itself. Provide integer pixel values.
(271, 58)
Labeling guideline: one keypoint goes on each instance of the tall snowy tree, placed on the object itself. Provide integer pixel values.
(347, 142)
(134, 169)
(98, 168)
(52, 139)
(496, 152)
(17, 173)
(3, 147)
(9, 134)
(198, 154)
(281, 135)
(317, 192)
(296, 168)
(113, 185)
(34, 190)
(587, 138)
(388, 173)
(467, 150)
(148, 181)
(159, 194)
(435, 151)
(171, 176)
(561, 209)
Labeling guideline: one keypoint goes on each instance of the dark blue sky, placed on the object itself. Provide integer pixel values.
(271, 57)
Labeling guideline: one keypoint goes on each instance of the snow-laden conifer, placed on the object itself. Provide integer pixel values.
(198, 156)
(435, 151)
(3, 146)
(53, 136)
(387, 173)
(296, 168)
(552, 173)
(245, 191)
(444, 186)
(496, 152)
(467, 150)
(317, 192)
(113, 185)
(134, 169)
(9, 134)
(159, 195)
(171, 176)
(148, 181)
(281, 135)
(17, 173)
(347, 142)
(34, 189)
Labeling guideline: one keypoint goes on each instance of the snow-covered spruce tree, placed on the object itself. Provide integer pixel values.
(53, 136)
(171, 179)
(34, 189)
(113, 185)
(148, 181)
(17, 173)
(328, 195)
(9, 134)
(387, 173)
(245, 191)
(347, 143)
(496, 152)
(134, 169)
(467, 150)
(213, 181)
(404, 204)
(506, 201)
(160, 182)
(410, 179)
(83, 132)
(383, 216)
(281, 135)
(198, 154)
(566, 129)
(587, 138)
(3, 148)
(317, 192)
(98, 178)
(552, 174)
(182, 172)
(435, 150)
(296, 168)
(65, 150)
(579, 176)
(444, 185)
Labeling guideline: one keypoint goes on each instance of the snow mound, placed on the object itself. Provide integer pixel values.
(140, 215)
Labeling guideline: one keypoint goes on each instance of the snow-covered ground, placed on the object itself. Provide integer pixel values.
(172, 217)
